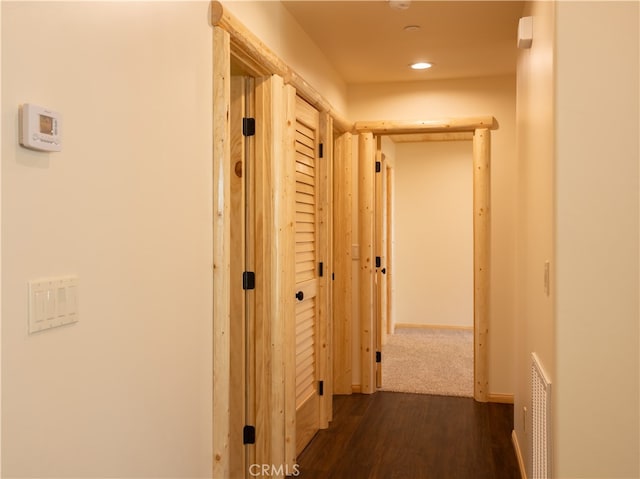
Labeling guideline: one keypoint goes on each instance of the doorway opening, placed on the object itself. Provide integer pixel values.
(371, 316)
(430, 350)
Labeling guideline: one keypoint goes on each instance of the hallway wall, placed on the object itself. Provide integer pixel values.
(439, 99)
(597, 429)
(535, 321)
(579, 210)
(126, 206)
(434, 234)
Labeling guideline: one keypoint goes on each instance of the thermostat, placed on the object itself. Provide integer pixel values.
(40, 128)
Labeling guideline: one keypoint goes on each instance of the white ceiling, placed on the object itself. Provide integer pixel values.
(365, 41)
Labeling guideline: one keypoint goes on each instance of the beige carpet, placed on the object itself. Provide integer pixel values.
(429, 361)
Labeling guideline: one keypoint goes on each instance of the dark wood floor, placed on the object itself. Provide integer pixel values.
(411, 436)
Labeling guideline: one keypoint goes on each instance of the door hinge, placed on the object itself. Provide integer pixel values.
(248, 280)
(248, 126)
(378, 261)
(333, 276)
(378, 357)
(321, 150)
(321, 269)
(321, 388)
(378, 166)
(249, 435)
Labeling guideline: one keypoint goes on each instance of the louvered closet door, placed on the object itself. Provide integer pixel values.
(307, 398)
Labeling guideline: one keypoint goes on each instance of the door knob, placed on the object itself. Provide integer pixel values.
(384, 270)
(299, 295)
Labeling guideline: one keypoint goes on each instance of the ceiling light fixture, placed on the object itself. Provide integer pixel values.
(399, 4)
(420, 65)
(411, 28)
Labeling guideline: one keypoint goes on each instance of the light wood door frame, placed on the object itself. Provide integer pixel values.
(368, 131)
(222, 391)
(381, 255)
(383, 251)
(389, 175)
(366, 271)
(325, 218)
(273, 241)
(343, 294)
(276, 86)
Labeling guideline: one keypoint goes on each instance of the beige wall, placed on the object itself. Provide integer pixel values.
(0, 244)
(462, 98)
(578, 156)
(434, 233)
(597, 430)
(125, 392)
(535, 133)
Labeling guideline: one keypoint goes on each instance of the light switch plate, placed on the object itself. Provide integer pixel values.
(53, 302)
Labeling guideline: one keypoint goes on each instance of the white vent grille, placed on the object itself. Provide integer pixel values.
(541, 392)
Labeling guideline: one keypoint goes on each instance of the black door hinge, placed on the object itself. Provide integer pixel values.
(321, 150)
(378, 261)
(248, 280)
(248, 126)
(378, 166)
(321, 269)
(378, 357)
(249, 435)
(321, 388)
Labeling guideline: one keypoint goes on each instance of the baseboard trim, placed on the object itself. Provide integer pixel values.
(516, 448)
(432, 326)
(497, 398)
(501, 398)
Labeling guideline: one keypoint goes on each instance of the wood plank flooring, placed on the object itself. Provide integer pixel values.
(391, 435)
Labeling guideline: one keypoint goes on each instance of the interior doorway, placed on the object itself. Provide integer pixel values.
(431, 351)
(369, 312)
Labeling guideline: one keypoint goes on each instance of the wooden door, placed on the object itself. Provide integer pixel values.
(380, 259)
(306, 287)
(241, 389)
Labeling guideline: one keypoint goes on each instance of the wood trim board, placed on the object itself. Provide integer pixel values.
(221, 253)
(257, 54)
(433, 326)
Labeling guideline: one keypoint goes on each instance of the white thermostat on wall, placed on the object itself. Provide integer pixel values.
(40, 128)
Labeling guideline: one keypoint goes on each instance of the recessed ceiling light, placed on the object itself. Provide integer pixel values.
(411, 28)
(421, 65)
(399, 4)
